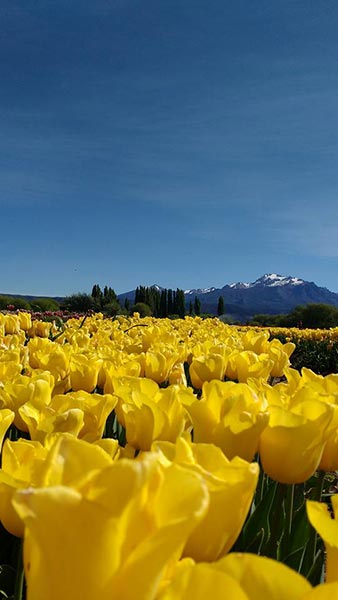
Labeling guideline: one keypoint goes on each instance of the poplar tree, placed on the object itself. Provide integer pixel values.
(220, 306)
(197, 306)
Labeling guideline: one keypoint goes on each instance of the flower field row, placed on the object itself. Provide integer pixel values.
(156, 459)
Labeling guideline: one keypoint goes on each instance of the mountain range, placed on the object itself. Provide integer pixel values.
(270, 294)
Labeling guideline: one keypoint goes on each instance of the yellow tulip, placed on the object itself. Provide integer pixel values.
(41, 422)
(238, 576)
(21, 467)
(230, 416)
(114, 538)
(163, 418)
(262, 577)
(327, 527)
(158, 365)
(280, 355)
(63, 460)
(243, 365)
(84, 372)
(231, 486)
(326, 591)
(111, 371)
(40, 329)
(72, 462)
(177, 375)
(202, 581)
(207, 368)
(292, 444)
(44, 354)
(255, 341)
(12, 324)
(25, 320)
(110, 446)
(25, 389)
(8, 371)
(132, 390)
(6, 420)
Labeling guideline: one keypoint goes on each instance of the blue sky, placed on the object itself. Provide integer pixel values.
(180, 142)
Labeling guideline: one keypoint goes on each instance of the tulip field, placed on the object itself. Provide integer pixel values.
(158, 459)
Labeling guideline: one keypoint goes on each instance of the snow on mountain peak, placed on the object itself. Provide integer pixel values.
(270, 280)
(239, 285)
(267, 280)
(275, 280)
(199, 291)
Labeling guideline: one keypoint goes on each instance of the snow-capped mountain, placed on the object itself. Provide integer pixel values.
(272, 294)
(269, 294)
(269, 279)
(199, 291)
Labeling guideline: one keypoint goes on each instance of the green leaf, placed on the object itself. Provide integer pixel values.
(297, 542)
(256, 531)
(315, 575)
(7, 580)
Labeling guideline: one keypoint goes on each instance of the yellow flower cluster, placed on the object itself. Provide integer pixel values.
(154, 519)
(294, 333)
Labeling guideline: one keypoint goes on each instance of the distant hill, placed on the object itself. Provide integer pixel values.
(58, 299)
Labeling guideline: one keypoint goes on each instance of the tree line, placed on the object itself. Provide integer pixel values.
(162, 302)
(168, 302)
(158, 302)
(309, 316)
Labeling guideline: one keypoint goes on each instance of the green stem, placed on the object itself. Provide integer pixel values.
(276, 518)
(312, 550)
(320, 486)
(13, 433)
(316, 496)
(20, 575)
(261, 483)
(290, 496)
(289, 515)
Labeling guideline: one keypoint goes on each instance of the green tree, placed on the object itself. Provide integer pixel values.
(44, 304)
(313, 316)
(79, 303)
(197, 306)
(111, 308)
(170, 302)
(18, 303)
(96, 291)
(220, 306)
(180, 303)
(109, 295)
(142, 308)
(163, 312)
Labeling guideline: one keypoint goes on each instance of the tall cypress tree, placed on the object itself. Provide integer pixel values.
(220, 306)
(197, 306)
(180, 302)
(170, 302)
(163, 311)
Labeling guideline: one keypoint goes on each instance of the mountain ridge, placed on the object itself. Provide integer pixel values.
(271, 294)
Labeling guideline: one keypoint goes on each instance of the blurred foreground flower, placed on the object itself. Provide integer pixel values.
(113, 537)
(237, 577)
